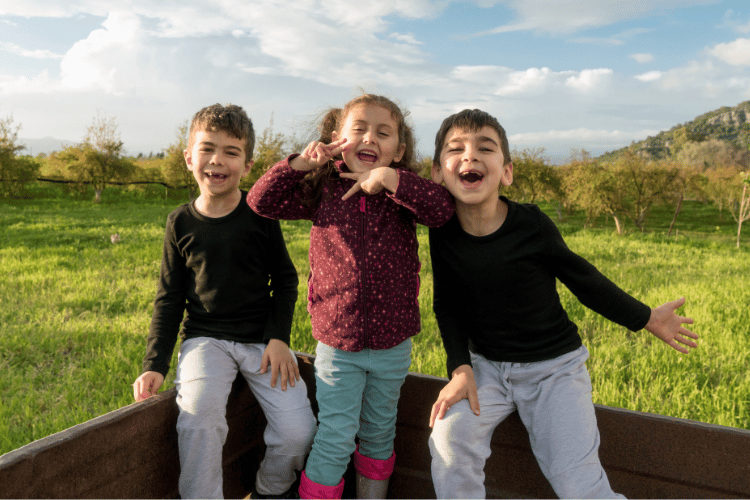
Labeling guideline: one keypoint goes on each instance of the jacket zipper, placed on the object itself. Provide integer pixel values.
(363, 211)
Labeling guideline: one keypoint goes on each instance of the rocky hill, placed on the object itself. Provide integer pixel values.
(731, 124)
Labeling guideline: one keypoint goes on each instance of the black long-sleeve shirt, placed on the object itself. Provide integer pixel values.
(231, 275)
(496, 295)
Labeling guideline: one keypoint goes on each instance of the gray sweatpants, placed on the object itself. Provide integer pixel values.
(553, 399)
(205, 372)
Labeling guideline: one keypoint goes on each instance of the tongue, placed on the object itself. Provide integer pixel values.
(471, 177)
(367, 157)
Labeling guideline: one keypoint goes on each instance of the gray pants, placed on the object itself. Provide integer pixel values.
(205, 372)
(553, 399)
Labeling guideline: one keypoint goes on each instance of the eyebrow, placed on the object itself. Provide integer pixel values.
(463, 138)
(377, 125)
(209, 143)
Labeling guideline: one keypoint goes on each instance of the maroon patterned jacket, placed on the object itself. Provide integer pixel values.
(364, 268)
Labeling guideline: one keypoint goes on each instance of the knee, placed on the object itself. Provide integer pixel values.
(454, 436)
(291, 431)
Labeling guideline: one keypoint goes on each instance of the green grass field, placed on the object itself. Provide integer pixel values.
(75, 309)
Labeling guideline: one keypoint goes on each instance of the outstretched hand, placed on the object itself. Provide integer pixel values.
(666, 325)
(461, 386)
(372, 181)
(317, 154)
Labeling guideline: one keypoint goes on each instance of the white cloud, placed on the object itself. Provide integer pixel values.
(642, 58)
(736, 53)
(99, 60)
(589, 79)
(32, 54)
(570, 16)
(649, 76)
(542, 80)
(405, 38)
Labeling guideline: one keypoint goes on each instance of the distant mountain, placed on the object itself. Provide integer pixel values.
(45, 145)
(731, 124)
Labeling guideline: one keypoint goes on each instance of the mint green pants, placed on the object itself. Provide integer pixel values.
(357, 394)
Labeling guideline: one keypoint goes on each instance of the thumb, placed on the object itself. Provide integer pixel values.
(474, 401)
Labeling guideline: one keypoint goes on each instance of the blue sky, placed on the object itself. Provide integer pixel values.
(558, 74)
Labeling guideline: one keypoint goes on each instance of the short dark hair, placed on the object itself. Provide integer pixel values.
(471, 120)
(231, 119)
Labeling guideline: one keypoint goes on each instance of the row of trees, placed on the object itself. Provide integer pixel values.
(630, 186)
(626, 187)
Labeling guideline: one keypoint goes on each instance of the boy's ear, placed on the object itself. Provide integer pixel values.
(437, 173)
(507, 178)
(188, 158)
(248, 167)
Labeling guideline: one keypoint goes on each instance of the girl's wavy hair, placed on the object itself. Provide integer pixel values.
(231, 119)
(333, 120)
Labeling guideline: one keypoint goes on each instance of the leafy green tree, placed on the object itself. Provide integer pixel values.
(269, 150)
(533, 178)
(15, 171)
(176, 173)
(741, 210)
(629, 187)
(98, 160)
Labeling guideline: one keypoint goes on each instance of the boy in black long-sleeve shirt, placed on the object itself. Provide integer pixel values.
(228, 269)
(510, 343)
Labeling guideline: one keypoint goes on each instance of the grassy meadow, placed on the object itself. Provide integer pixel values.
(75, 309)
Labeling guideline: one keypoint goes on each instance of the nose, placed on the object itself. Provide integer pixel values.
(470, 154)
(215, 159)
(369, 137)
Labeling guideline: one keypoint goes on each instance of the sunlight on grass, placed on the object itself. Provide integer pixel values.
(75, 310)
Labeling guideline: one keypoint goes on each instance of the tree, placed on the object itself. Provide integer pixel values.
(533, 178)
(741, 208)
(176, 173)
(712, 154)
(98, 159)
(269, 150)
(15, 171)
(629, 187)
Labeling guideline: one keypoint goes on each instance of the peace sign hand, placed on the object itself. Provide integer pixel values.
(317, 154)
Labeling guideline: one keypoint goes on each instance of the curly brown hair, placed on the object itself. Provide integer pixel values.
(231, 119)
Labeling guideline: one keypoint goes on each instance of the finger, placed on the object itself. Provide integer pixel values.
(274, 375)
(337, 147)
(283, 371)
(474, 402)
(356, 187)
(433, 414)
(264, 364)
(685, 341)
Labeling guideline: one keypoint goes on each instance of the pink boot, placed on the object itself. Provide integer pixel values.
(311, 490)
(372, 475)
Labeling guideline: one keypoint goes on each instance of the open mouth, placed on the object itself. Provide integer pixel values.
(367, 157)
(470, 178)
(218, 177)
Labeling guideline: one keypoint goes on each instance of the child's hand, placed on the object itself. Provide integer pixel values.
(147, 385)
(372, 181)
(317, 154)
(461, 386)
(667, 325)
(281, 359)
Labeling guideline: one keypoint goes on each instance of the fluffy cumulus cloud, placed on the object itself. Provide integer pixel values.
(736, 53)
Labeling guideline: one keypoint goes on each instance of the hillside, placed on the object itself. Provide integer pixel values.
(731, 124)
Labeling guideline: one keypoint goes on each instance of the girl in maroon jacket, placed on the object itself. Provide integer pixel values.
(358, 187)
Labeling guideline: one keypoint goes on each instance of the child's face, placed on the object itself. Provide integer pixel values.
(217, 161)
(372, 138)
(472, 166)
